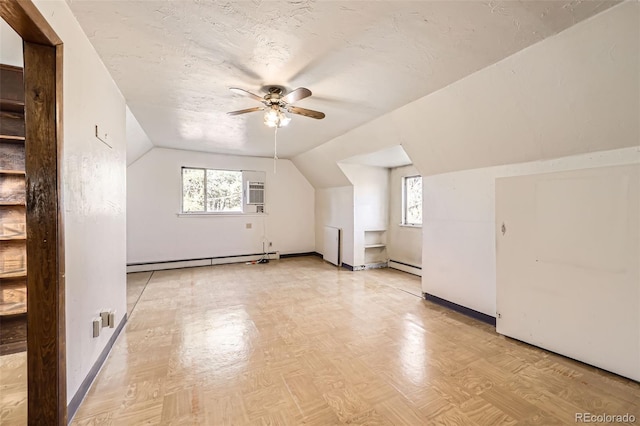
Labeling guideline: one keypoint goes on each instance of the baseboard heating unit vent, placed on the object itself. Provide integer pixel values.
(177, 264)
(405, 267)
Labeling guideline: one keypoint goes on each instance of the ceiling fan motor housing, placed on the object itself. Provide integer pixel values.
(277, 101)
(274, 95)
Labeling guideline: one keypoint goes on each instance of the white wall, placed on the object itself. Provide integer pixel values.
(458, 257)
(10, 46)
(156, 233)
(404, 243)
(370, 203)
(93, 177)
(334, 207)
(138, 143)
(570, 259)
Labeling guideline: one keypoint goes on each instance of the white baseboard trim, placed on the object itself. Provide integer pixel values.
(178, 264)
(405, 268)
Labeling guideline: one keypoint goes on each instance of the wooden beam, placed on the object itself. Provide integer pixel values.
(45, 265)
(25, 18)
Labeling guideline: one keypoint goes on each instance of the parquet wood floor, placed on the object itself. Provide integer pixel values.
(298, 341)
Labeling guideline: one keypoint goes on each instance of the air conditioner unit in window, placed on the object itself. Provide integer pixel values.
(255, 192)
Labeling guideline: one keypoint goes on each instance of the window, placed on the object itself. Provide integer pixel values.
(211, 191)
(412, 200)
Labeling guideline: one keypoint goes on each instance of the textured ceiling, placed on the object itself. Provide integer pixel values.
(175, 60)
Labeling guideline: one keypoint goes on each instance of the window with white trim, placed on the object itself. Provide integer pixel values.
(211, 191)
(412, 200)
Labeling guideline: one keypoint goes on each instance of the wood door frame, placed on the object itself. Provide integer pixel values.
(46, 350)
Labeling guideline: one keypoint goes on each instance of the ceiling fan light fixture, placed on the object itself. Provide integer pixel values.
(285, 120)
(273, 117)
(275, 105)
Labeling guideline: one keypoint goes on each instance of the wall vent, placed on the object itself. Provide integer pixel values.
(255, 192)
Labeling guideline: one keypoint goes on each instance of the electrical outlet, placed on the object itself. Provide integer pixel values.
(249, 225)
(104, 316)
(96, 328)
(270, 244)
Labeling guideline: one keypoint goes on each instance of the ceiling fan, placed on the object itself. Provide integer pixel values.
(276, 103)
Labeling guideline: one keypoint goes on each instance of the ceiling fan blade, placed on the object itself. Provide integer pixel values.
(244, 111)
(306, 112)
(296, 95)
(246, 93)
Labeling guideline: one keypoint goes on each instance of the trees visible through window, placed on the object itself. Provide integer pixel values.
(412, 200)
(209, 190)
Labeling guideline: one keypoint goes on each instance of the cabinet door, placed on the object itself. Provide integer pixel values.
(568, 264)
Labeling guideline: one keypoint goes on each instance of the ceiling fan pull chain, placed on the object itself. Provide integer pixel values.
(275, 148)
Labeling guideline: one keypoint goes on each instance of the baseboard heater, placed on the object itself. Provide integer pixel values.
(190, 263)
(405, 267)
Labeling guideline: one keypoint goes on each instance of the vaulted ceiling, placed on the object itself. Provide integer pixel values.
(175, 60)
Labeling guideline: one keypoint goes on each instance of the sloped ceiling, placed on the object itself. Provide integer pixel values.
(571, 94)
(175, 60)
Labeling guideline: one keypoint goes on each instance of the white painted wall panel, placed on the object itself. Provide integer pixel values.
(568, 265)
(93, 178)
(458, 256)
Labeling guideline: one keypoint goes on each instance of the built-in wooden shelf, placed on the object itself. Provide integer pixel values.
(11, 138)
(13, 299)
(13, 308)
(15, 230)
(11, 105)
(13, 256)
(13, 259)
(21, 273)
(374, 246)
(20, 237)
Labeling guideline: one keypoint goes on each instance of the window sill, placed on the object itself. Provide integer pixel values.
(405, 225)
(238, 214)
